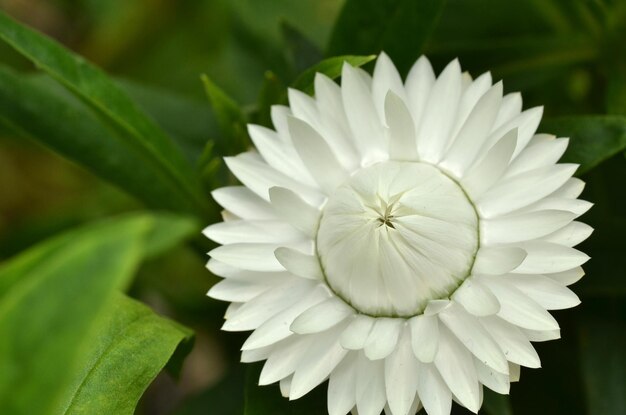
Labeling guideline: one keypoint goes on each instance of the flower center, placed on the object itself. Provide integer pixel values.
(396, 235)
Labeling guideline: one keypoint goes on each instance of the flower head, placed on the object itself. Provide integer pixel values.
(401, 239)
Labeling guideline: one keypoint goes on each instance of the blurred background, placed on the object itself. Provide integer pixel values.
(569, 56)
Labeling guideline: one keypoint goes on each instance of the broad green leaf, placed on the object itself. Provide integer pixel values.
(230, 118)
(330, 67)
(603, 355)
(593, 138)
(496, 404)
(131, 346)
(53, 298)
(39, 111)
(401, 28)
(96, 89)
(267, 400)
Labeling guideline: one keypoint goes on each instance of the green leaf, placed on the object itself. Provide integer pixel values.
(401, 28)
(230, 118)
(330, 67)
(96, 89)
(54, 303)
(593, 138)
(44, 112)
(267, 400)
(302, 52)
(130, 348)
(603, 355)
(496, 404)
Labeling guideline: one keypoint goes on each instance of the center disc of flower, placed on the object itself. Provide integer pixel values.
(396, 235)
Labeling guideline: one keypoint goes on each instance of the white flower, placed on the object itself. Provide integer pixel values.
(403, 240)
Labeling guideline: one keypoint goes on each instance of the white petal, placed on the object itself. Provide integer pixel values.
(259, 177)
(385, 79)
(279, 114)
(333, 118)
(523, 227)
(567, 277)
(514, 372)
(572, 188)
(552, 203)
(277, 327)
(433, 391)
(474, 337)
(401, 130)
(370, 386)
(277, 154)
(476, 298)
(249, 231)
(542, 335)
(253, 257)
(263, 307)
(285, 386)
(355, 335)
(456, 366)
(316, 155)
(496, 381)
(424, 337)
(243, 202)
(233, 272)
(283, 360)
(467, 144)
(517, 192)
(419, 81)
(526, 124)
(342, 386)
(401, 376)
(303, 107)
(570, 235)
(437, 121)
(300, 264)
(546, 257)
(517, 308)
(251, 356)
(548, 293)
(512, 341)
(510, 108)
(486, 172)
(541, 154)
(362, 116)
(293, 209)
(323, 356)
(470, 96)
(236, 291)
(383, 337)
(322, 316)
(436, 306)
(497, 260)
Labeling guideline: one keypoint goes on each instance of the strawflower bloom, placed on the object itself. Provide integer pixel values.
(401, 239)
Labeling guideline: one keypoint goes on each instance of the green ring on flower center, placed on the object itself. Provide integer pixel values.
(395, 236)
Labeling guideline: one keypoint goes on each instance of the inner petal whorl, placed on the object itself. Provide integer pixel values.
(396, 235)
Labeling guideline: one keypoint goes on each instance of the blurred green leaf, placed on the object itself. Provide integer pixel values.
(401, 28)
(130, 348)
(603, 354)
(230, 119)
(39, 111)
(267, 400)
(96, 89)
(302, 52)
(188, 121)
(330, 67)
(496, 404)
(593, 138)
(57, 333)
(272, 92)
